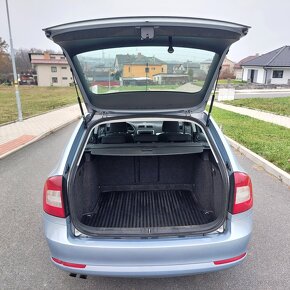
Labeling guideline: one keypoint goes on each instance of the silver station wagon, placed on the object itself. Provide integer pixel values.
(147, 185)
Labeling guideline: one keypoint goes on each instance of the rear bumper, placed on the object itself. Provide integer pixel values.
(150, 271)
(148, 257)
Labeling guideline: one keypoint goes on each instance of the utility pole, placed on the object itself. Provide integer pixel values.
(17, 94)
(146, 71)
(109, 79)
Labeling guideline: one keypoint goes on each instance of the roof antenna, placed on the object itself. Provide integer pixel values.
(170, 48)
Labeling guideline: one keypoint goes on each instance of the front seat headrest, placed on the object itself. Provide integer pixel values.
(118, 127)
(170, 126)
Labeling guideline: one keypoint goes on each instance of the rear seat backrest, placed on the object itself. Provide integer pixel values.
(171, 133)
(118, 134)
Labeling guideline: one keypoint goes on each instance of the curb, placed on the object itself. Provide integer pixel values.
(36, 115)
(269, 167)
(37, 138)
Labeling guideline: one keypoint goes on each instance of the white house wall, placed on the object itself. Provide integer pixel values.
(245, 74)
(261, 76)
(279, 81)
(260, 79)
(44, 75)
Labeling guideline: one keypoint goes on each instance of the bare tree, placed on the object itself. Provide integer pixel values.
(3, 45)
(5, 62)
(227, 74)
(22, 60)
(35, 50)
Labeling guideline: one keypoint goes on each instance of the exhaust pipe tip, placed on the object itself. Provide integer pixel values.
(74, 275)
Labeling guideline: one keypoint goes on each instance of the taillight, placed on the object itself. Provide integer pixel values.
(243, 193)
(52, 197)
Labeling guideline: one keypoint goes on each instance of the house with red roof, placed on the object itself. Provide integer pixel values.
(52, 69)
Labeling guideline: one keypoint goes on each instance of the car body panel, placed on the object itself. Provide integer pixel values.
(148, 257)
(162, 255)
(133, 257)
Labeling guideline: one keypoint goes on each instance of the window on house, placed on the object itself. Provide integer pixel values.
(52, 57)
(64, 78)
(62, 57)
(277, 74)
(53, 69)
(54, 80)
(63, 67)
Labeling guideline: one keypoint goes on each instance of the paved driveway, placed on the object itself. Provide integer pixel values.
(24, 262)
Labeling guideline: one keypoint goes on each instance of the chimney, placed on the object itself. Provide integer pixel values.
(46, 55)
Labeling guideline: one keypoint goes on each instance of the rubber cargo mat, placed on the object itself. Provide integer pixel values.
(138, 209)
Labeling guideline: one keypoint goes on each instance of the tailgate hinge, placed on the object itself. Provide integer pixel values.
(88, 118)
(104, 114)
(187, 113)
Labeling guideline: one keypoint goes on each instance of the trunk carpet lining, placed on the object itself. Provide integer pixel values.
(139, 209)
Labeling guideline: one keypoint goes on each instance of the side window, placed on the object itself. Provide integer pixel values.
(277, 74)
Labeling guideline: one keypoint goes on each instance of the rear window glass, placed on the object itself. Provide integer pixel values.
(145, 69)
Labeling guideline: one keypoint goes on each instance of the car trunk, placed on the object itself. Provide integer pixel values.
(143, 195)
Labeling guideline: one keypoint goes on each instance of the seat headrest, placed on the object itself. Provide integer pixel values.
(118, 127)
(170, 126)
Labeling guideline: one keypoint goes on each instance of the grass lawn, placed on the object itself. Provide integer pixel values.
(280, 106)
(268, 140)
(35, 100)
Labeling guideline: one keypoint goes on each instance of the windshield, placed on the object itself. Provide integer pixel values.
(145, 69)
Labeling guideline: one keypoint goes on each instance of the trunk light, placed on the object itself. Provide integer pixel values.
(52, 197)
(230, 260)
(243, 193)
(67, 264)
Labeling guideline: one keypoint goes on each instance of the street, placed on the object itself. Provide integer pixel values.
(25, 257)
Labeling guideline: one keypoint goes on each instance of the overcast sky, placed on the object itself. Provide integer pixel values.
(269, 20)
